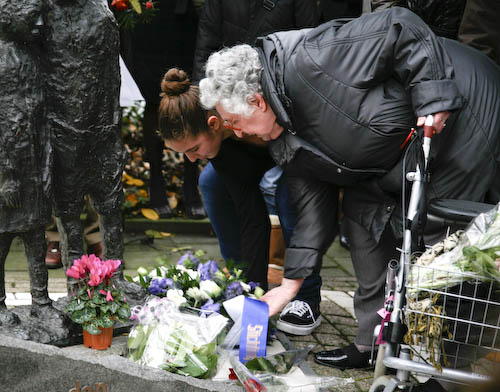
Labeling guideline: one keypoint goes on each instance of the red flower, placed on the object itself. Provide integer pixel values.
(149, 4)
(120, 5)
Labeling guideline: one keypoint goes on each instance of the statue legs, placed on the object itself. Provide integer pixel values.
(71, 230)
(35, 247)
(6, 317)
(111, 226)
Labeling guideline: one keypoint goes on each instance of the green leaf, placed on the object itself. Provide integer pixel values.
(84, 315)
(114, 307)
(98, 299)
(206, 349)
(193, 362)
(129, 278)
(92, 328)
(136, 5)
(153, 233)
(106, 322)
(123, 313)
(105, 308)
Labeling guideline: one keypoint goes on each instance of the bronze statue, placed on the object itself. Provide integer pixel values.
(24, 151)
(83, 113)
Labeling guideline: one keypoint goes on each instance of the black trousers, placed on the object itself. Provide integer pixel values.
(370, 260)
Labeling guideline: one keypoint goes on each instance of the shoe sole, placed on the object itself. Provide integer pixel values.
(367, 367)
(294, 329)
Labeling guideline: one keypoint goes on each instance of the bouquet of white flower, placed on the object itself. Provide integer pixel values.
(172, 340)
(179, 325)
(196, 283)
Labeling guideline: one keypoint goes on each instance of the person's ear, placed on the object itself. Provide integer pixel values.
(259, 101)
(213, 122)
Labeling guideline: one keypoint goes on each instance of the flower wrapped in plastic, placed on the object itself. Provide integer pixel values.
(280, 373)
(169, 338)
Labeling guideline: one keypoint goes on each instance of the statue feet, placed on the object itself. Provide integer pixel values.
(132, 291)
(7, 318)
(48, 312)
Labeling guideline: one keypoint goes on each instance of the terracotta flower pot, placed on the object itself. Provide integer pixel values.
(98, 342)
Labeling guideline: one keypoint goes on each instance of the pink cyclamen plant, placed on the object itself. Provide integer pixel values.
(96, 303)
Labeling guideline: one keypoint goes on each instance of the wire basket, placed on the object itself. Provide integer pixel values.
(453, 317)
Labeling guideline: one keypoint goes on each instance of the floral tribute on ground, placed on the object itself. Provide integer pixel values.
(197, 283)
(180, 324)
(96, 303)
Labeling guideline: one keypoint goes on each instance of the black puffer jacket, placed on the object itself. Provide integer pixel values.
(228, 22)
(350, 92)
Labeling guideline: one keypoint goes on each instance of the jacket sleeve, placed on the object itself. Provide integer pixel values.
(397, 43)
(306, 13)
(316, 206)
(209, 38)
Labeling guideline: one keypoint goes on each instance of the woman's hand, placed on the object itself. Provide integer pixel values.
(439, 121)
(278, 297)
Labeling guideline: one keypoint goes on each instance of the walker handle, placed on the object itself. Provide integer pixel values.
(429, 130)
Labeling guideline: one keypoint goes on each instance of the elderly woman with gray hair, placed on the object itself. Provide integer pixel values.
(337, 104)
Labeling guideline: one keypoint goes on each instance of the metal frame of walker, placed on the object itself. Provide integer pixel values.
(393, 354)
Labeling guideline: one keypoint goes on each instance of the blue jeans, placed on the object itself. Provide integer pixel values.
(225, 221)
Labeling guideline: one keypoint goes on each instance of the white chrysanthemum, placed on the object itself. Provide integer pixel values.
(211, 288)
(176, 296)
(142, 271)
(163, 271)
(197, 294)
(194, 275)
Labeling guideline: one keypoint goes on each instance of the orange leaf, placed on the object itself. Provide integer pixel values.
(132, 198)
(142, 193)
(150, 214)
(135, 182)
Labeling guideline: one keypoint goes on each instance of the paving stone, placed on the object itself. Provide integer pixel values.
(325, 327)
(331, 308)
(341, 298)
(343, 320)
(337, 340)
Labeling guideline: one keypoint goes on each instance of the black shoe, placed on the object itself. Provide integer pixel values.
(430, 385)
(195, 212)
(297, 318)
(344, 242)
(164, 211)
(344, 358)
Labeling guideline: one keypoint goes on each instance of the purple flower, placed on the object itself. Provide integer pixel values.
(188, 260)
(233, 290)
(155, 287)
(165, 282)
(253, 285)
(211, 306)
(207, 269)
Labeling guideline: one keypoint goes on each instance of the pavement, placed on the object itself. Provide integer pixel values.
(337, 329)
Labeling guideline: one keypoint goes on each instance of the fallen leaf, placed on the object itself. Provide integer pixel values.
(150, 214)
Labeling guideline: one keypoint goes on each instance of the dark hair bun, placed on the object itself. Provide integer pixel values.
(175, 82)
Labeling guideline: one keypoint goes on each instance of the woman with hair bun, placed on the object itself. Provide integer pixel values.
(200, 134)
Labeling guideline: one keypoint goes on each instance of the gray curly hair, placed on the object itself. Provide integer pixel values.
(232, 79)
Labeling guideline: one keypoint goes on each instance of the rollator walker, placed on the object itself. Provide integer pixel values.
(466, 330)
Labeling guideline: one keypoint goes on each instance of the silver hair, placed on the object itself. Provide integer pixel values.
(232, 79)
